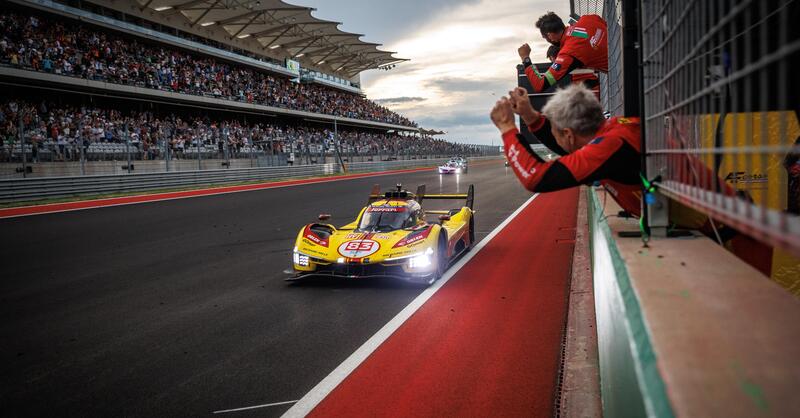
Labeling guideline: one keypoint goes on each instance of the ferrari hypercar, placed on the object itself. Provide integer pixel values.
(449, 168)
(456, 165)
(391, 237)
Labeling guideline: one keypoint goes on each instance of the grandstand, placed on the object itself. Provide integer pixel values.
(161, 80)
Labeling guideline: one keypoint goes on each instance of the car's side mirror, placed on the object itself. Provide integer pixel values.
(443, 218)
(324, 216)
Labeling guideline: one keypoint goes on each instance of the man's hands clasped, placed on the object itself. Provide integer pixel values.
(517, 102)
(521, 105)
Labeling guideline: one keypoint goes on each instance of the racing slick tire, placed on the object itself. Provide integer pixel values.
(441, 263)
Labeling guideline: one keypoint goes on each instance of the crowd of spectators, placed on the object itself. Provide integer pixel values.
(42, 43)
(62, 129)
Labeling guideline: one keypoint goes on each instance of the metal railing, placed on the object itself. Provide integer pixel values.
(18, 190)
(719, 109)
(720, 106)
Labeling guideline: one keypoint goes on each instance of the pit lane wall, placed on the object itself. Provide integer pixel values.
(685, 328)
(630, 383)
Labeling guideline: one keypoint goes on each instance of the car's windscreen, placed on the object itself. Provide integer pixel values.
(376, 219)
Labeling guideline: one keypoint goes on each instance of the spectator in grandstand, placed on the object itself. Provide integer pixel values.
(63, 129)
(572, 125)
(46, 44)
(581, 45)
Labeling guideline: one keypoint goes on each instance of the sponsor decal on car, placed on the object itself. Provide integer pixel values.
(386, 208)
(358, 248)
(413, 238)
(313, 237)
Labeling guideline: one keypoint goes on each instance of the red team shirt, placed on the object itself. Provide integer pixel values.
(583, 45)
(612, 158)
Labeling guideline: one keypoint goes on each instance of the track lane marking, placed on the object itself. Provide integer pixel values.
(311, 399)
(245, 408)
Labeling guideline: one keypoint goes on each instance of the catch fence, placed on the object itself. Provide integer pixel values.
(712, 83)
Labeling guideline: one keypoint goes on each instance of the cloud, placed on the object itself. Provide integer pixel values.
(458, 119)
(463, 56)
(461, 84)
(397, 100)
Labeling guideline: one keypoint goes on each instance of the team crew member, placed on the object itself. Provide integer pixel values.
(572, 125)
(583, 76)
(582, 45)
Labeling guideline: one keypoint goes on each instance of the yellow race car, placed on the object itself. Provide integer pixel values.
(391, 237)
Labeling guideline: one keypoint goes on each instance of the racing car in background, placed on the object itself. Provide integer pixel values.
(456, 165)
(391, 237)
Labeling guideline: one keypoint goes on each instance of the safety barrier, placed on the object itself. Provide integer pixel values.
(57, 187)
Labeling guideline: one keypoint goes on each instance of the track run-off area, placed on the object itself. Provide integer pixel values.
(179, 308)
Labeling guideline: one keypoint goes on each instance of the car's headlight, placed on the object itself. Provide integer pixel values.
(300, 259)
(420, 261)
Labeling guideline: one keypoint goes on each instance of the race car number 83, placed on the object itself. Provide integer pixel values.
(358, 248)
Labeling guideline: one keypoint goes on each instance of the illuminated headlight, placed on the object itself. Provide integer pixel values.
(420, 261)
(458, 170)
(340, 260)
(300, 259)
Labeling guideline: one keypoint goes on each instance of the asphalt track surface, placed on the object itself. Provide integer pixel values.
(179, 308)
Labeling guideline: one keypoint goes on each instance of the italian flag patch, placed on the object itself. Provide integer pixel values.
(579, 32)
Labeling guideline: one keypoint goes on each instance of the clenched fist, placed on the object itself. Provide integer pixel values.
(524, 51)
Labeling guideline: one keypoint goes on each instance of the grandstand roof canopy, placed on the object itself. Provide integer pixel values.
(281, 27)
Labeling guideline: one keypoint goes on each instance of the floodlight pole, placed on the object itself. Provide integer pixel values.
(199, 158)
(22, 143)
(80, 145)
(336, 144)
(128, 147)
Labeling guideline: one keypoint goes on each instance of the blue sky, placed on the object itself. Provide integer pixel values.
(463, 55)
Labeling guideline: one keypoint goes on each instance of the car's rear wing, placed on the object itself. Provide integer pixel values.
(420, 195)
